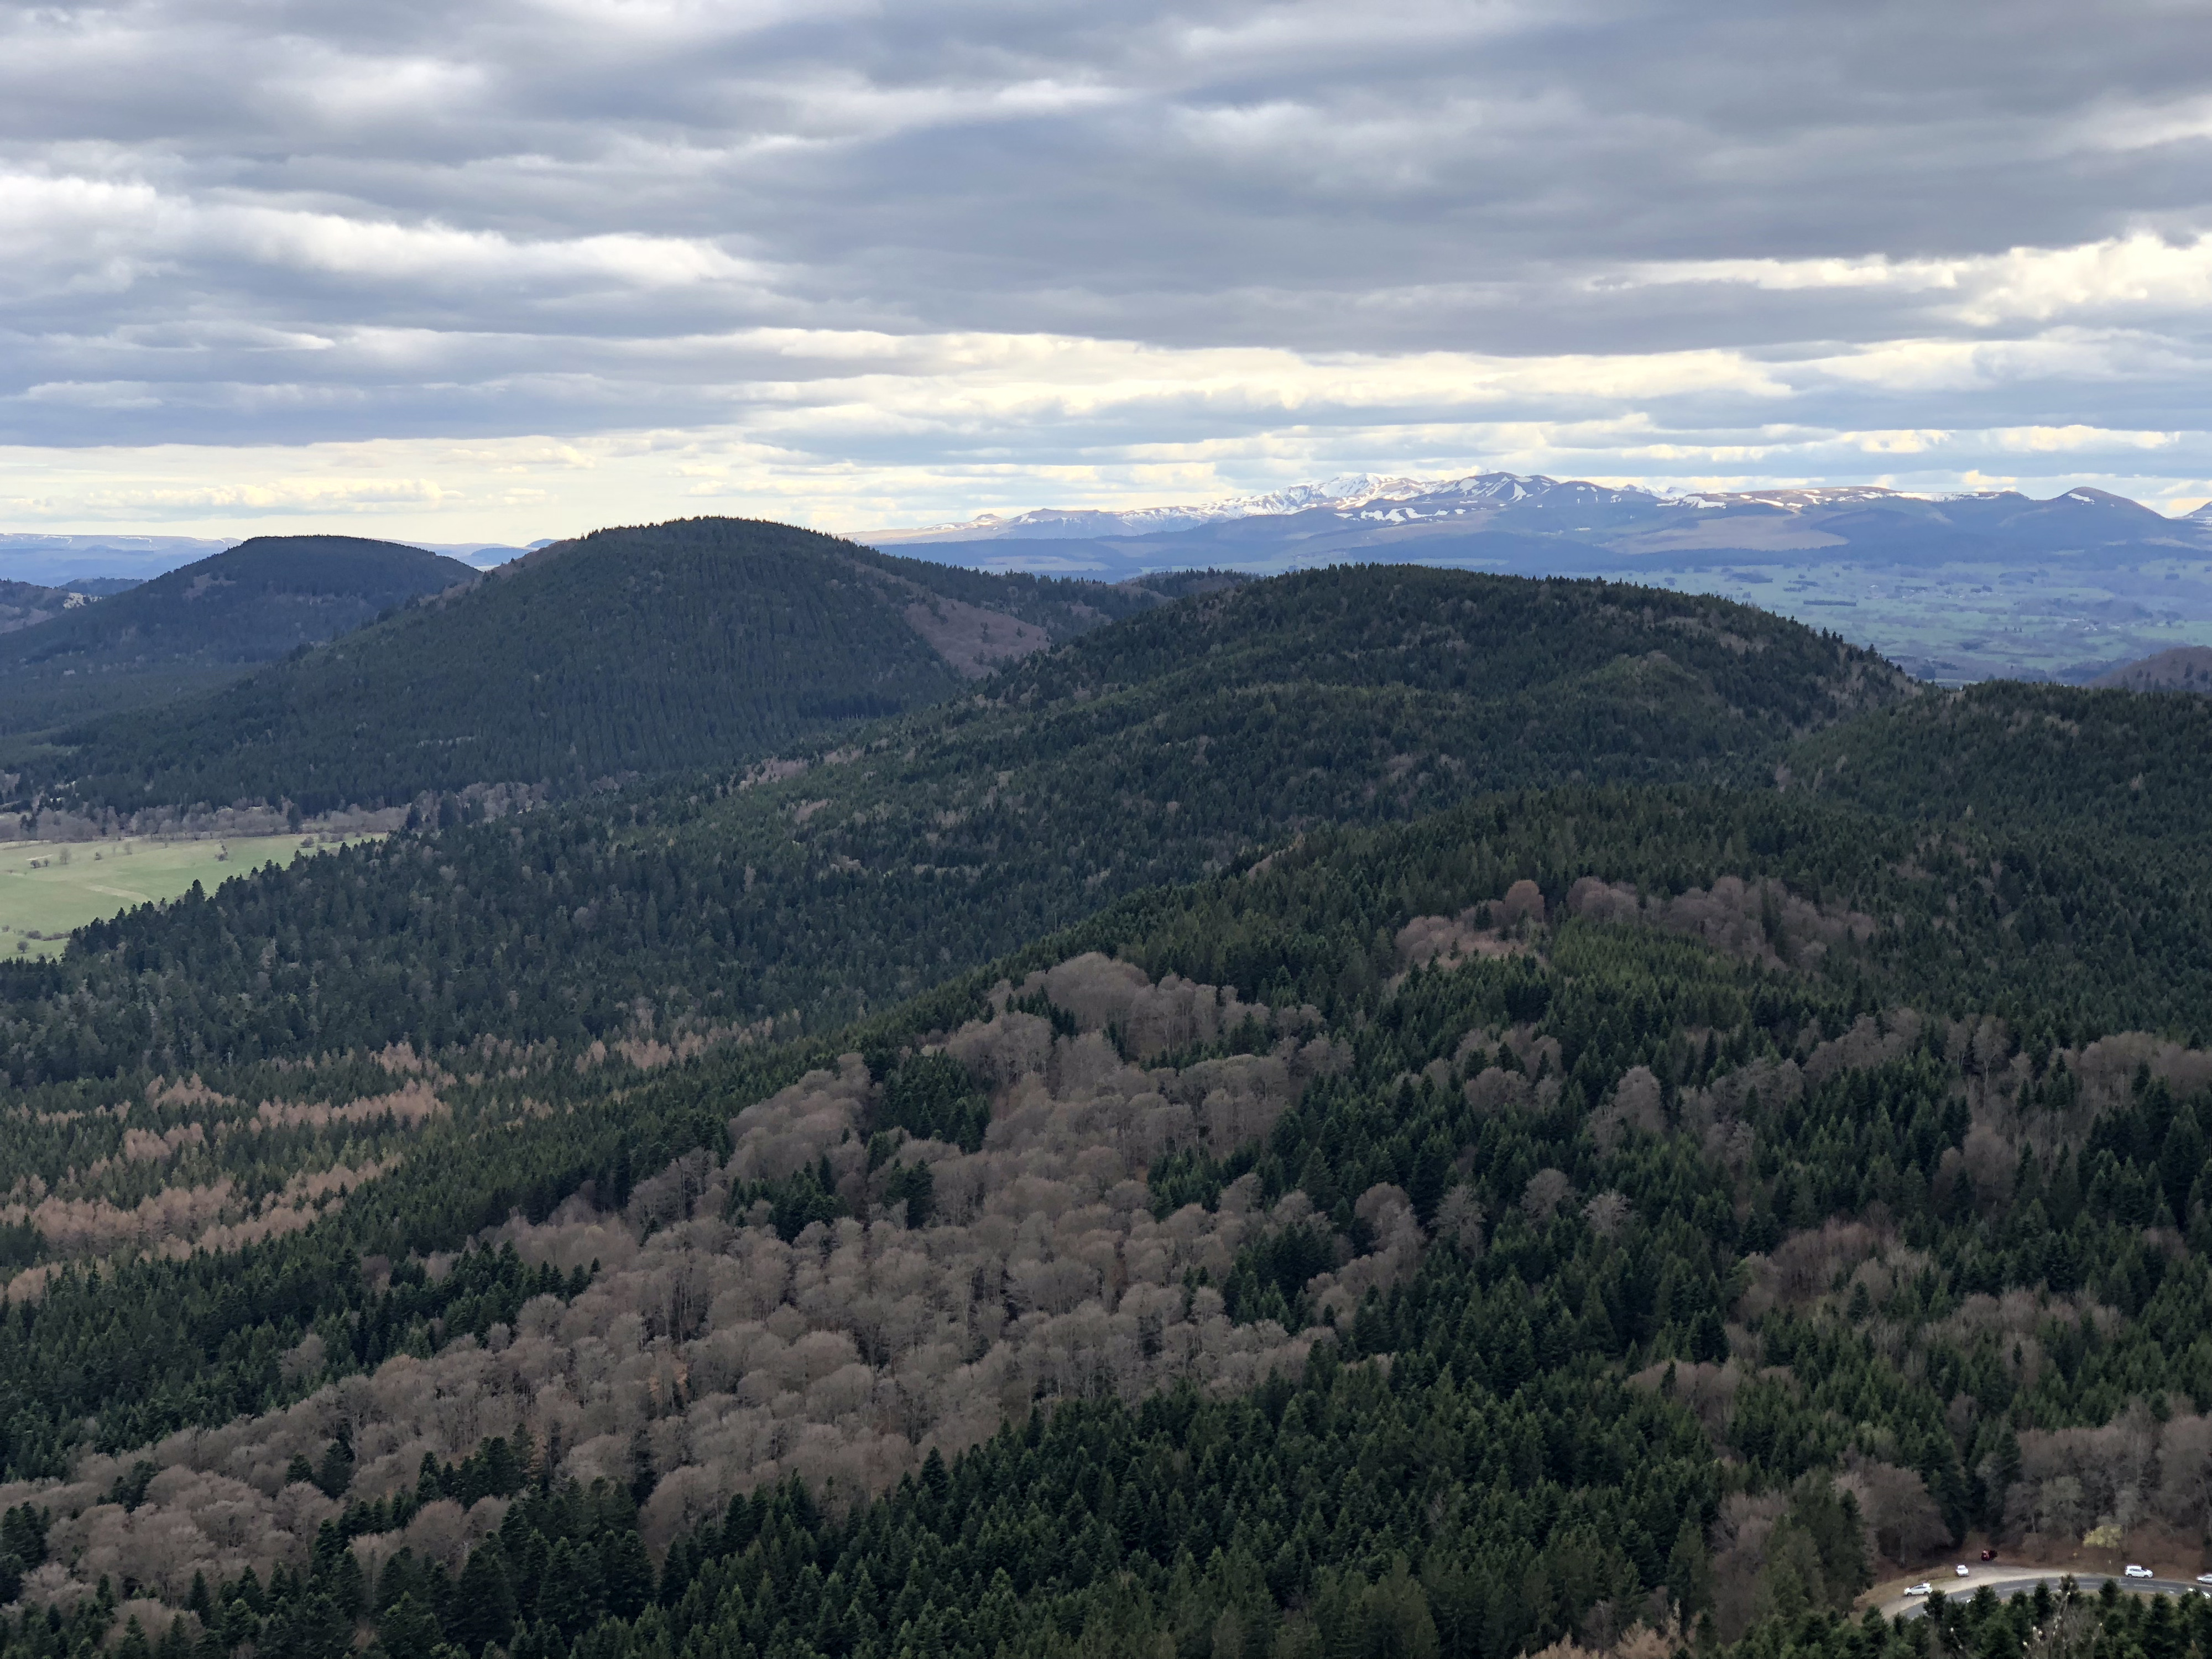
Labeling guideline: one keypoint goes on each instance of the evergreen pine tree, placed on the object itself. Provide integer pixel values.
(408, 1629)
(484, 1602)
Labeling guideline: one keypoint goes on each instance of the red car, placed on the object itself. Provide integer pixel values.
(1989, 1555)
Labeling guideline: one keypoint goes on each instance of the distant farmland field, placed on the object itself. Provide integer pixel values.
(50, 888)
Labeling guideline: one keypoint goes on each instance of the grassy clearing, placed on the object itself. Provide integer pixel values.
(50, 888)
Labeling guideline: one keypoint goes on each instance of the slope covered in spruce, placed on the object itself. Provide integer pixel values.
(869, 864)
(206, 623)
(699, 643)
(2049, 757)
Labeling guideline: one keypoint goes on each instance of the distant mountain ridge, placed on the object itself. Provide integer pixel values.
(1537, 525)
(1347, 489)
(1507, 500)
(57, 557)
(1953, 588)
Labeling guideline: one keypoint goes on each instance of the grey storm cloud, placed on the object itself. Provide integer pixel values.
(935, 240)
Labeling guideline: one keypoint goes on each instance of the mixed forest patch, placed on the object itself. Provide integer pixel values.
(1381, 1113)
(1603, 1168)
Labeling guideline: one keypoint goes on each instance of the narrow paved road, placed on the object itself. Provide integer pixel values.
(2018, 1581)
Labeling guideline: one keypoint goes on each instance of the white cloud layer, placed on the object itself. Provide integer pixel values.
(529, 265)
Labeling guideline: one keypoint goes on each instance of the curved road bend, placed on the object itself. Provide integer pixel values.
(2020, 1581)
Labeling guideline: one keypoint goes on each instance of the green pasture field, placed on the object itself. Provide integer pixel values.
(48, 889)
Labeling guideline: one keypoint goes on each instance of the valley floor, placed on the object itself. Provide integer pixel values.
(48, 889)
(1958, 623)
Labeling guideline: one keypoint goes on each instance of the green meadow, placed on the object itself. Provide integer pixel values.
(48, 889)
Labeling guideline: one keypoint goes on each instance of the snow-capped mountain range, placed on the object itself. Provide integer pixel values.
(1954, 587)
(1570, 508)
(1347, 491)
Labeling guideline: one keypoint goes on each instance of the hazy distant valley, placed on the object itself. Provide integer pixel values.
(1954, 623)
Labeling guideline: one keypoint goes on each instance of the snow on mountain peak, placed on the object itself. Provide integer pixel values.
(1392, 498)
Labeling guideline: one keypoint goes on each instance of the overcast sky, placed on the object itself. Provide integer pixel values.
(502, 268)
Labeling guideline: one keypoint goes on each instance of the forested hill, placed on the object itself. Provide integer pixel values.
(630, 651)
(206, 623)
(26, 604)
(2044, 757)
(877, 860)
(1734, 679)
(2183, 668)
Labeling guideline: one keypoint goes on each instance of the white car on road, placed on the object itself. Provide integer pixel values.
(1961, 1572)
(1920, 1589)
(2134, 1572)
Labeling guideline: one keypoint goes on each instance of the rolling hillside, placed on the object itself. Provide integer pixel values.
(2183, 668)
(26, 604)
(206, 623)
(2025, 757)
(874, 861)
(629, 651)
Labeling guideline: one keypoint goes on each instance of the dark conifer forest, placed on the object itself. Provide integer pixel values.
(878, 1112)
(583, 664)
(197, 628)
